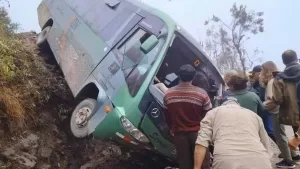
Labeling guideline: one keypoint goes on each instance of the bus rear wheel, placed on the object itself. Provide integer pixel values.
(79, 118)
(41, 41)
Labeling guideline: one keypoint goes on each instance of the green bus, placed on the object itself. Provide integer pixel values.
(110, 52)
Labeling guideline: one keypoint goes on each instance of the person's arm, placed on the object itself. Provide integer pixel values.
(264, 138)
(167, 115)
(272, 103)
(260, 107)
(206, 104)
(205, 135)
(277, 92)
(162, 87)
(200, 152)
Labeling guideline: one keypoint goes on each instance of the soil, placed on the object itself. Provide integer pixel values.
(48, 144)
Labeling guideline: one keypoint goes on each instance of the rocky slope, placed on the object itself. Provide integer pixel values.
(46, 142)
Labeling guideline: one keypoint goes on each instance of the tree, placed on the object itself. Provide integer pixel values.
(228, 42)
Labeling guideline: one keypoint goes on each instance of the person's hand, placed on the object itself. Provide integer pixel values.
(156, 80)
(270, 105)
(294, 143)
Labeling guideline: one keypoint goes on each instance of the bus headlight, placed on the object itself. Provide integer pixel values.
(133, 131)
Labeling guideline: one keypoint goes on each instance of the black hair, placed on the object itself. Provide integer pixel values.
(201, 80)
(289, 56)
(187, 73)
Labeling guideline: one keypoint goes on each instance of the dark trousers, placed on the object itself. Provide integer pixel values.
(185, 146)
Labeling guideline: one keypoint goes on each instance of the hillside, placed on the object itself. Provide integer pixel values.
(35, 105)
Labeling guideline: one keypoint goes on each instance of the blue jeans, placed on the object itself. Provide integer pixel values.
(268, 124)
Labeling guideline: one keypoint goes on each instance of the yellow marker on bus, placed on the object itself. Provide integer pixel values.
(197, 63)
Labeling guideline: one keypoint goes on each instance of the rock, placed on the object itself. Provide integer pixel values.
(45, 166)
(31, 141)
(45, 152)
(2, 133)
(29, 144)
(106, 153)
(25, 159)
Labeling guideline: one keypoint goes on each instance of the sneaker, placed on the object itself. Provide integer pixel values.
(286, 164)
(296, 158)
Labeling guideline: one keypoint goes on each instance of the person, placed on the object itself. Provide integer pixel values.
(266, 81)
(186, 105)
(227, 77)
(228, 89)
(260, 91)
(285, 99)
(246, 98)
(200, 80)
(255, 77)
(239, 137)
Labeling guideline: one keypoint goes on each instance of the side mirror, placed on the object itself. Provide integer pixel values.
(149, 44)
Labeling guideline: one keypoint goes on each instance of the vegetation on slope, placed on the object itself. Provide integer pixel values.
(25, 81)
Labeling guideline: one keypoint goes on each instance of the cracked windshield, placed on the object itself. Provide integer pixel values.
(149, 84)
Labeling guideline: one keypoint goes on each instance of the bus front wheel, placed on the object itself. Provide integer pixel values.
(41, 41)
(79, 118)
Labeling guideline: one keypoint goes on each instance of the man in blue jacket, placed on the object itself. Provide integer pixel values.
(260, 91)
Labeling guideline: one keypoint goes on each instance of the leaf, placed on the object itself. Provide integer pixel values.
(261, 29)
(215, 18)
(206, 22)
(260, 13)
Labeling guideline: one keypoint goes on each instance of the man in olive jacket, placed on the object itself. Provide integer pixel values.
(284, 90)
(285, 95)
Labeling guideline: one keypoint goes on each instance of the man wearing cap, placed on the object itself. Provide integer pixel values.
(255, 75)
(260, 91)
(285, 95)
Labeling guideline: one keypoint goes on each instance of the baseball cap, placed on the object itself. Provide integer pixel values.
(256, 69)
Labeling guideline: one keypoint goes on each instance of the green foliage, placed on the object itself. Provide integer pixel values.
(229, 39)
(25, 80)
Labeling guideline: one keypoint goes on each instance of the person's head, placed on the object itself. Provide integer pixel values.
(201, 80)
(267, 72)
(187, 73)
(289, 56)
(238, 82)
(251, 79)
(255, 72)
(228, 75)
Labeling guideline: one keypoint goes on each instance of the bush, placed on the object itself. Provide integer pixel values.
(25, 82)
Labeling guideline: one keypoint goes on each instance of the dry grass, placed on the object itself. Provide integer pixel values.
(25, 82)
(11, 108)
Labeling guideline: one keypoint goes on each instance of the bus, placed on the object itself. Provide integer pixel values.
(110, 53)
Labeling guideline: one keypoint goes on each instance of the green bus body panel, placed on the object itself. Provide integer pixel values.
(76, 47)
(160, 144)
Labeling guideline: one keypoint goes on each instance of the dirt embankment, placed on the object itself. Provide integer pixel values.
(45, 142)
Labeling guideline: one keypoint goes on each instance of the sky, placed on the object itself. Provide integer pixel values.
(282, 26)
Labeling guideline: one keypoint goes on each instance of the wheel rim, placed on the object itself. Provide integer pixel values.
(42, 35)
(81, 117)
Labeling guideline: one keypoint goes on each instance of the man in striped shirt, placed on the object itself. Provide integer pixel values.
(186, 105)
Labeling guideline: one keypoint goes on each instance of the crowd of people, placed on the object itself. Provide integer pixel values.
(254, 109)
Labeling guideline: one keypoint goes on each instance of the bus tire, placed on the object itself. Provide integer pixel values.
(41, 41)
(78, 121)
